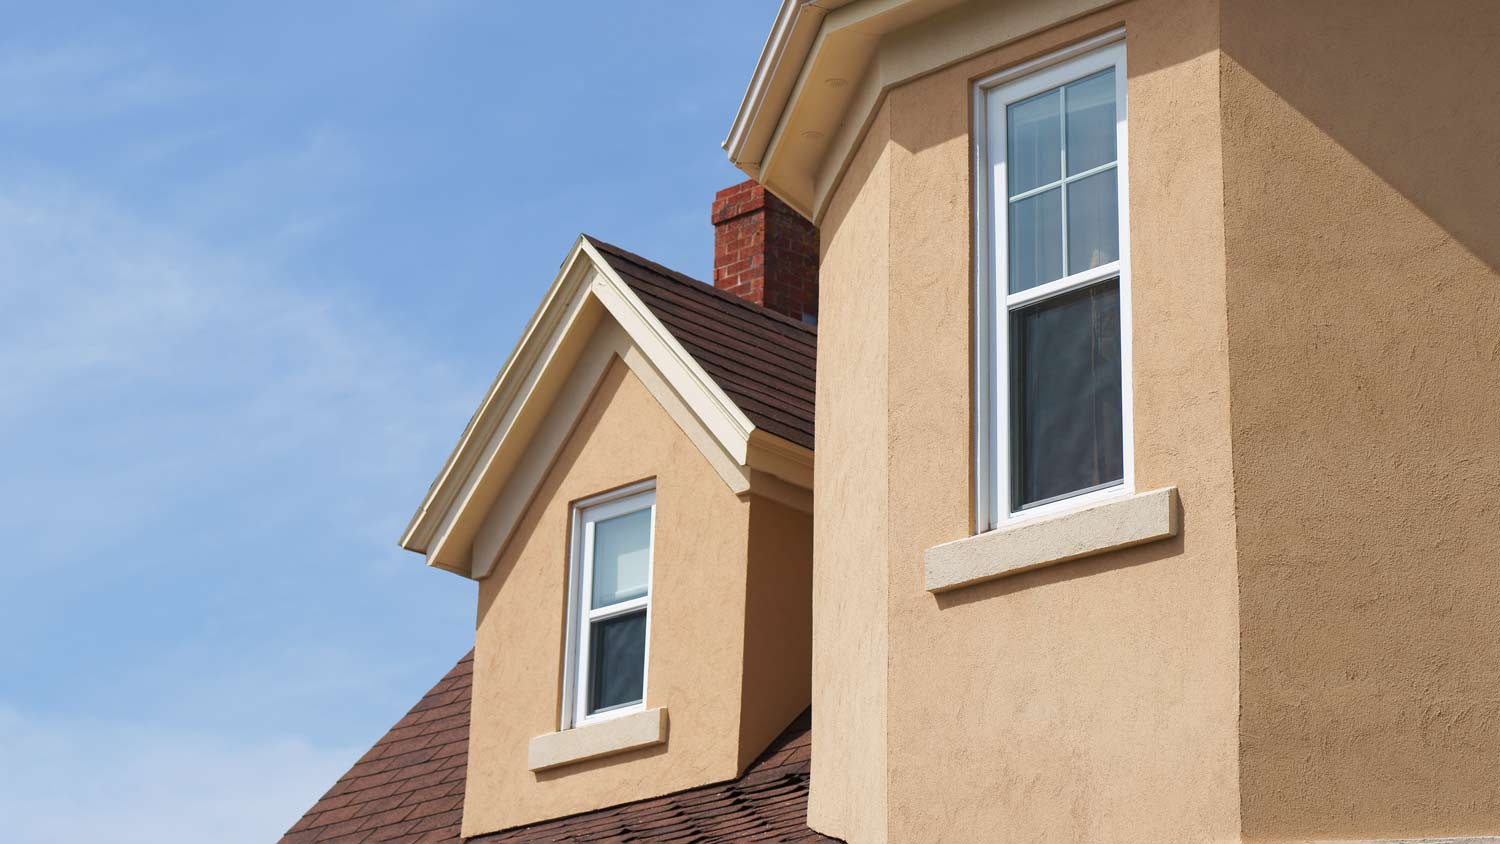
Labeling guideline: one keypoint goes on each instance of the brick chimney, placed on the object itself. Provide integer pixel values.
(765, 252)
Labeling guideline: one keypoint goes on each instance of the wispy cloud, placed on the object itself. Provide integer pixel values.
(82, 80)
(213, 366)
(128, 783)
(208, 450)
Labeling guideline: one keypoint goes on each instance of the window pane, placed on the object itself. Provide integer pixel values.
(1091, 122)
(1036, 240)
(1034, 148)
(622, 556)
(617, 661)
(1093, 221)
(1066, 412)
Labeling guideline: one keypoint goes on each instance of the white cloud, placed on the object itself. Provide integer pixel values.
(211, 365)
(178, 387)
(129, 783)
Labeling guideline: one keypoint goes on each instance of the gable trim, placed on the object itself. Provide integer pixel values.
(586, 294)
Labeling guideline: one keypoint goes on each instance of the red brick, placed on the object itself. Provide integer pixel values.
(764, 252)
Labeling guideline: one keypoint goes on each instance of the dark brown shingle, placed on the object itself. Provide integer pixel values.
(409, 787)
(764, 362)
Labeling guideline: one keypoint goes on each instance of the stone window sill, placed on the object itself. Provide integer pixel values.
(597, 739)
(1095, 529)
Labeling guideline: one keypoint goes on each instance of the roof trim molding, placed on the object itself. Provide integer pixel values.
(564, 336)
(791, 38)
(828, 65)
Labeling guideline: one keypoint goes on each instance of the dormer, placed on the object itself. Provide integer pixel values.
(634, 498)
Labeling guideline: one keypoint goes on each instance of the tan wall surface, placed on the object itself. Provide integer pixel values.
(778, 624)
(1091, 701)
(696, 628)
(1362, 182)
(850, 619)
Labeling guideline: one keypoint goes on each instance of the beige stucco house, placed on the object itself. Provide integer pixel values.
(1151, 495)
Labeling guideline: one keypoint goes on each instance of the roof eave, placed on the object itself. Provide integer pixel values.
(781, 59)
(818, 79)
(442, 528)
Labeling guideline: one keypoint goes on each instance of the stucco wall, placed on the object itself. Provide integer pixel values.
(851, 505)
(778, 624)
(697, 626)
(1362, 182)
(1092, 701)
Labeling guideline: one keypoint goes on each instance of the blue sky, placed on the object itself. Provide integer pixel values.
(257, 267)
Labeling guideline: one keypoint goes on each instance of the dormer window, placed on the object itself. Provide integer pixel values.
(609, 605)
(1054, 285)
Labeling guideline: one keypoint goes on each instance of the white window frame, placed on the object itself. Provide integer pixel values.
(992, 299)
(586, 514)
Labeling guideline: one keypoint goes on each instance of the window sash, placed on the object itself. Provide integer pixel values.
(582, 616)
(994, 303)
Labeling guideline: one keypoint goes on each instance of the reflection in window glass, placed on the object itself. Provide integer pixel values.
(1036, 252)
(622, 557)
(1035, 142)
(1091, 122)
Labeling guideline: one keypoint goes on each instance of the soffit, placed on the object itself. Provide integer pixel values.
(828, 65)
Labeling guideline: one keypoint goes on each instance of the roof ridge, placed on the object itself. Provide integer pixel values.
(683, 278)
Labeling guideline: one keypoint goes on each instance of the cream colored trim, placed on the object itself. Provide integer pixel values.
(736, 474)
(796, 24)
(1106, 526)
(776, 456)
(539, 341)
(775, 489)
(702, 393)
(493, 469)
(811, 131)
(598, 739)
(609, 343)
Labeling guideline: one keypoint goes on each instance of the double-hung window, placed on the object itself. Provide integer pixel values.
(609, 607)
(1053, 285)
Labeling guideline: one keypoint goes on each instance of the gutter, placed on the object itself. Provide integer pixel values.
(790, 42)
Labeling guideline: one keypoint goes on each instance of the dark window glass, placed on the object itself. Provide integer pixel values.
(617, 661)
(1066, 412)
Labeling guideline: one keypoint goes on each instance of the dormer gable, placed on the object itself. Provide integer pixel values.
(737, 378)
(634, 498)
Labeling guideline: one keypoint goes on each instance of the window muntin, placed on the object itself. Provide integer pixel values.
(609, 605)
(1053, 319)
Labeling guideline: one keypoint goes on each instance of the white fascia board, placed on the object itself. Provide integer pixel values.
(458, 500)
(523, 361)
(505, 421)
(718, 413)
(776, 71)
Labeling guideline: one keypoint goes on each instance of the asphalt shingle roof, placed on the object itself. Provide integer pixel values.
(764, 362)
(767, 803)
(409, 787)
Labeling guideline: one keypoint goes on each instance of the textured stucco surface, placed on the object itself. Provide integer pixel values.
(778, 625)
(1362, 191)
(851, 507)
(1090, 701)
(697, 628)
